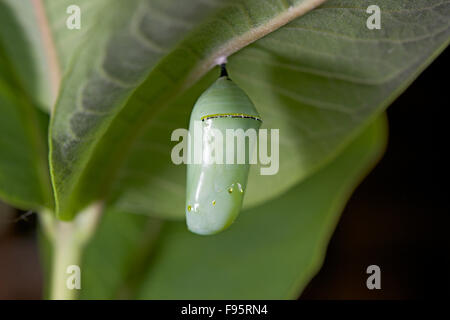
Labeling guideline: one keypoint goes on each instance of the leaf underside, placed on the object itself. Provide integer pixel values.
(106, 102)
(319, 80)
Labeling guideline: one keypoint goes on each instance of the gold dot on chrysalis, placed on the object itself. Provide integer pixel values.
(189, 208)
(214, 202)
(230, 190)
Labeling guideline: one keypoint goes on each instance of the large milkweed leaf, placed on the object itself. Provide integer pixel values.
(139, 56)
(273, 250)
(318, 79)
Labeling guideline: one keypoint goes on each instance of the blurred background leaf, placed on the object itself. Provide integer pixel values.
(274, 250)
(24, 175)
(271, 252)
(117, 256)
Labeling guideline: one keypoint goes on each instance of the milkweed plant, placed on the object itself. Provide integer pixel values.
(198, 149)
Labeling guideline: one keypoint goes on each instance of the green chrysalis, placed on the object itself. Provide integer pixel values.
(215, 190)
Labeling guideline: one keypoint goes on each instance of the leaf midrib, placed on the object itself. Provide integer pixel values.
(249, 37)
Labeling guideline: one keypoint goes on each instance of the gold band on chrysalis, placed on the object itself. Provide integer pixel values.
(230, 115)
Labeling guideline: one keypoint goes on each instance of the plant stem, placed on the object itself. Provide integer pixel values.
(66, 252)
(69, 240)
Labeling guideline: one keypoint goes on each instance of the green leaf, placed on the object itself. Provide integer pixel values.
(329, 75)
(24, 178)
(114, 257)
(135, 253)
(141, 55)
(148, 182)
(319, 79)
(272, 251)
(25, 48)
(39, 44)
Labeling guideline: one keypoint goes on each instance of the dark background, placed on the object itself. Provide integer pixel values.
(396, 219)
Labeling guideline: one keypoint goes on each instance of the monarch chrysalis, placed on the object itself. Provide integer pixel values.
(215, 191)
